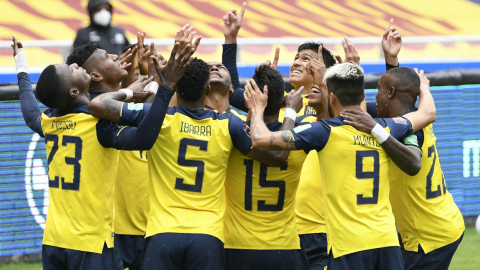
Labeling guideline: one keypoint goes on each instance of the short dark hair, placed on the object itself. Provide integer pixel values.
(273, 79)
(49, 87)
(346, 81)
(131, 47)
(406, 80)
(192, 84)
(81, 54)
(328, 58)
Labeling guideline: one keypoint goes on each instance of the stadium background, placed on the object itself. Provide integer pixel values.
(438, 35)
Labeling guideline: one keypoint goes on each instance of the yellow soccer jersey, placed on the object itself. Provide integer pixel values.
(187, 167)
(261, 202)
(354, 170)
(81, 176)
(131, 193)
(306, 110)
(309, 205)
(424, 210)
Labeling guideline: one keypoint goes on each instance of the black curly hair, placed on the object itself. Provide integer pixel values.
(273, 79)
(131, 47)
(81, 54)
(49, 87)
(328, 58)
(194, 81)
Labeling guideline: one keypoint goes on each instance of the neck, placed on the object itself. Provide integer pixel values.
(270, 118)
(218, 100)
(338, 109)
(398, 109)
(322, 115)
(192, 105)
(307, 89)
(102, 87)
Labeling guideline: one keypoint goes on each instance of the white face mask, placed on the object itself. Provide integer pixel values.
(102, 17)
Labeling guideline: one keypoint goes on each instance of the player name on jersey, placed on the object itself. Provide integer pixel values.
(196, 130)
(69, 124)
(365, 140)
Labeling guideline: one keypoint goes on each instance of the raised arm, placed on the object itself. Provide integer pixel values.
(391, 45)
(144, 137)
(406, 158)
(427, 112)
(28, 102)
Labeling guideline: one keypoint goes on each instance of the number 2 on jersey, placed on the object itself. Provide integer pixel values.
(433, 194)
(182, 161)
(262, 206)
(77, 141)
(375, 175)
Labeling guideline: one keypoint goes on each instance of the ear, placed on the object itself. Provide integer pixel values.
(391, 92)
(74, 92)
(332, 98)
(232, 89)
(208, 90)
(96, 77)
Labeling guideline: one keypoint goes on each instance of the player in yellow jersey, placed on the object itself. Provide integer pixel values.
(260, 215)
(187, 167)
(427, 218)
(79, 228)
(360, 225)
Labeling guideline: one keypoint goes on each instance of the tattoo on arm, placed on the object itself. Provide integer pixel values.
(287, 137)
(272, 138)
(111, 106)
(275, 148)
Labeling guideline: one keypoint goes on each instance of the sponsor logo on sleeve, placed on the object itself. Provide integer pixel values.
(400, 120)
(302, 128)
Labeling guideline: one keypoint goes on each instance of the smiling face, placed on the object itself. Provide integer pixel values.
(219, 75)
(106, 65)
(298, 72)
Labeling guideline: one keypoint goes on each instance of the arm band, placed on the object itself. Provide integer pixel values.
(380, 133)
(21, 61)
(128, 92)
(290, 113)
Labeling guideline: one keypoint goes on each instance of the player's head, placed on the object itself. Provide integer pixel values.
(273, 79)
(318, 99)
(397, 86)
(63, 86)
(307, 51)
(194, 84)
(101, 66)
(219, 76)
(345, 85)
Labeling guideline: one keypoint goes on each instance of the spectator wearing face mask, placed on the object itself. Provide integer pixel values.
(111, 39)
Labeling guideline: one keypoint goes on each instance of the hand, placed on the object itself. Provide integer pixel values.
(351, 54)
(391, 44)
(359, 120)
(137, 89)
(232, 23)
(294, 99)
(424, 81)
(275, 59)
(152, 72)
(185, 36)
(317, 68)
(143, 54)
(172, 70)
(256, 100)
(16, 45)
(126, 59)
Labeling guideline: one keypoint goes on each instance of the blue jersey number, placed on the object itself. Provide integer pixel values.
(375, 175)
(433, 194)
(77, 141)
(202, 145)
(280, 184)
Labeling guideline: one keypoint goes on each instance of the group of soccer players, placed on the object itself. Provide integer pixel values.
(153, 164)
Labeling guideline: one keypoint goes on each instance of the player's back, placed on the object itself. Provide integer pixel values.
(81, 183)
(261, 202)
(422, 205)
(354, 170)
(187, 167)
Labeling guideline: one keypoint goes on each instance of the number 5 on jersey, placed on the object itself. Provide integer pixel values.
(199, 164)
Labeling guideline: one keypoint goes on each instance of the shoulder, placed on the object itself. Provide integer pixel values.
(385, 122)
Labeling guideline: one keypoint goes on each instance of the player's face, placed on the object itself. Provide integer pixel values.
(318, 98)
(382, 96)
(107, 65)
(298, 72)
(74, 76)
(219, 74)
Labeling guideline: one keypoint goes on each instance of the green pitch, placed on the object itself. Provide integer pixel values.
(466, 258)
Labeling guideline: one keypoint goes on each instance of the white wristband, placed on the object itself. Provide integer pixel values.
(290, 113)
(152, 86)
(128, 92)
(21, 61)
(380, 133)
(142, 76)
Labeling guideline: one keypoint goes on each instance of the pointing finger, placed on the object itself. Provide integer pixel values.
(391, 23)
